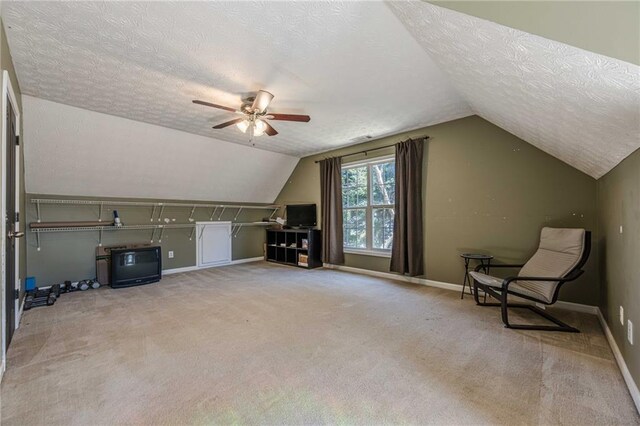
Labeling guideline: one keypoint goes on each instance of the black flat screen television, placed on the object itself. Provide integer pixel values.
(301, 215)
(137, 266)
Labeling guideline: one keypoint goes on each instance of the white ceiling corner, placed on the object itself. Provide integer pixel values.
(351, 66)
(579, 106)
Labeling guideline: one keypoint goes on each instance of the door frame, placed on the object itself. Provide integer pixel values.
(8, 92)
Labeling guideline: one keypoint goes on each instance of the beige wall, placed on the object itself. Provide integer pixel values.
(71, 255)
(619, 205)
(485, 190)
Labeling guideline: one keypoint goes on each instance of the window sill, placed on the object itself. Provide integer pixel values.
(374, 253)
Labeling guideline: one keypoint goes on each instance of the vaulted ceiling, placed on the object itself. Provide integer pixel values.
(607, 27)
(351, 66)
(578, 106)
(357, 68)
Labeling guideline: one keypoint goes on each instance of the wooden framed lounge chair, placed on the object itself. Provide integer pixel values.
(560, 258)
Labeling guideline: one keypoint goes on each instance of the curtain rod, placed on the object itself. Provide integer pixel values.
(374, 149)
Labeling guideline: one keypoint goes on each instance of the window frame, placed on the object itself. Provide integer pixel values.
(369, 250)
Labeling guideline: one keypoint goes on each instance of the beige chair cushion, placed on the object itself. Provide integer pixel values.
(497, 283)
(559, 252)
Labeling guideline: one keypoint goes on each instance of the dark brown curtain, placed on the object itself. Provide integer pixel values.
(407, 254)
(331, 199)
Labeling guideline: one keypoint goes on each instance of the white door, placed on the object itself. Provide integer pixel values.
(214, 243)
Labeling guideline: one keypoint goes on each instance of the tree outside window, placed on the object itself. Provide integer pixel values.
(368, 198)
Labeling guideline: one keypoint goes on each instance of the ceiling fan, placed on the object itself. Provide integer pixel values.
(254, 115)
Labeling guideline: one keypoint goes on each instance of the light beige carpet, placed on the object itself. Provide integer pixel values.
(261, 343)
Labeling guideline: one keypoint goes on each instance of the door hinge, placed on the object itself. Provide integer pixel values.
(17, 293)
(17, 140)
(17, 217)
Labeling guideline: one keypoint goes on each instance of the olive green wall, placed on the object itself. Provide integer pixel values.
(610, 28)
(485, 190)
(619, 205)
(6, 63)
(71, 255)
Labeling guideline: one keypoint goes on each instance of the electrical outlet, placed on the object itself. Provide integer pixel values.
(630, 332)
(171, 254)
(621, 315)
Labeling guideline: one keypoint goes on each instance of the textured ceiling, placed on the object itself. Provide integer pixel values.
(610, 28)
(578, 106)
(351, 66)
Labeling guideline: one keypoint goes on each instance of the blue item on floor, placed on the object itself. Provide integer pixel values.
(30, 283)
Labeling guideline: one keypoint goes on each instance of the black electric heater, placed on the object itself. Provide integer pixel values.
(137, 266)
(301, 215)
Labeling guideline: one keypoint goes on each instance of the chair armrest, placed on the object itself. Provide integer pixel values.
(570, 277)
(477, 268)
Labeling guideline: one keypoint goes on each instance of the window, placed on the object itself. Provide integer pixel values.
(368, 198)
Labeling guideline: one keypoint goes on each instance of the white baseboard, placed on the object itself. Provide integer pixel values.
(179, 270)
(247, 260)
(577, 307)
(569, 306)
(396, 277)
(197, 268)
(631, 384)
(20, 313)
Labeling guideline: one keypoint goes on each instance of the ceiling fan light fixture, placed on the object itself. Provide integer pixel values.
(243, 125)
(262, 101)
(255, 114)
(259, 128)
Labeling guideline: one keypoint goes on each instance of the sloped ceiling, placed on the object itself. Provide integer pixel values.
(610, 28)
(351, 66)
(578, 106)
(358, 68)
(77, 152)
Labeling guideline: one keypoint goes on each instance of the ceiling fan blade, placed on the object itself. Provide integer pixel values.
(209, 104)
(288, 117)
(270, 131)
(262, 101)
(228, 123)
